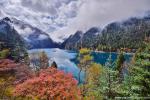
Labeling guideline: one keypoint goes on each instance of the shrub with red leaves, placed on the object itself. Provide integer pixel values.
(51, 84)
(20, 71)
(12, 73)
(7, 65)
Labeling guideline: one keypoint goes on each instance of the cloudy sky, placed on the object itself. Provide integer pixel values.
(60, 18)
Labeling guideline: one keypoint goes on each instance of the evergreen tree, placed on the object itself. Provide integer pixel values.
(120, 61)
(140, 72)
(111, 86)
(54, 65)
(120, 64)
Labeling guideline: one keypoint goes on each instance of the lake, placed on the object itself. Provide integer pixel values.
(67, 60)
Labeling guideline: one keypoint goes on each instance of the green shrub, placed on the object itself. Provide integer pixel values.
(4, 54)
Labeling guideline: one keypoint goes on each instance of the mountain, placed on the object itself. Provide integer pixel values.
(10, 39)
(71, 42)
(9, 35)
(126, 34)
(34, 37)
(75, 41)
(90, 37)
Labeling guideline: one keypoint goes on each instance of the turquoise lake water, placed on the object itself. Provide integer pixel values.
(67, 60)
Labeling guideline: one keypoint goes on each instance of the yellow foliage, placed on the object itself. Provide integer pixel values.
(1, 81)
(90, 88)
(95, 69)
(9, 91)
(84, 51)
(6, 87)
(4, 53)
(94, 72)
(87, 58)
(93, 96)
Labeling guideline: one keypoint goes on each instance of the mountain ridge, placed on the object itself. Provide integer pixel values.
(34, 37)
(81, 38)
(115, 35)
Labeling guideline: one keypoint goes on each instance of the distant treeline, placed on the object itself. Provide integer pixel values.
(128, 34)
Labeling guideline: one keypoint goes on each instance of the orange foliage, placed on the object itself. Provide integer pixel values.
(51, 84)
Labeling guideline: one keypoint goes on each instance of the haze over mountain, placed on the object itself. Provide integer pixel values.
(61, 18)
(126, 34)
(32, 36)
(114, 34)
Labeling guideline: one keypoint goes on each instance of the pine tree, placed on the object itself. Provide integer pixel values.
(119, 65)
(120, 61)
(54, 65)
(108, 81)
(140, 72)
(111, 80)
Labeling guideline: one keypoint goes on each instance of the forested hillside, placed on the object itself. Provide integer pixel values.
(128, 34)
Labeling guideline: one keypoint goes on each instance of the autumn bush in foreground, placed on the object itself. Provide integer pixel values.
(20, 72)
(51, 84)
(11, 73)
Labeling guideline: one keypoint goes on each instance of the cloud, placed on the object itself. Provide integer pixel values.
(47, 15)
(24, 32)
(60, 18)
(42, 37)
(101, 12)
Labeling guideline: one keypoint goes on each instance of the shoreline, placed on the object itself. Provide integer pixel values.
(96, 51)
(129, 53)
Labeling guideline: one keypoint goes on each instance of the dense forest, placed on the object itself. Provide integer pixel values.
(128, 34)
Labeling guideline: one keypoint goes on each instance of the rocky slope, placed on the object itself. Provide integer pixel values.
(80, 38)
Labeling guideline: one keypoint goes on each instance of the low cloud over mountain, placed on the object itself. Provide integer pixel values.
(60, 18)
